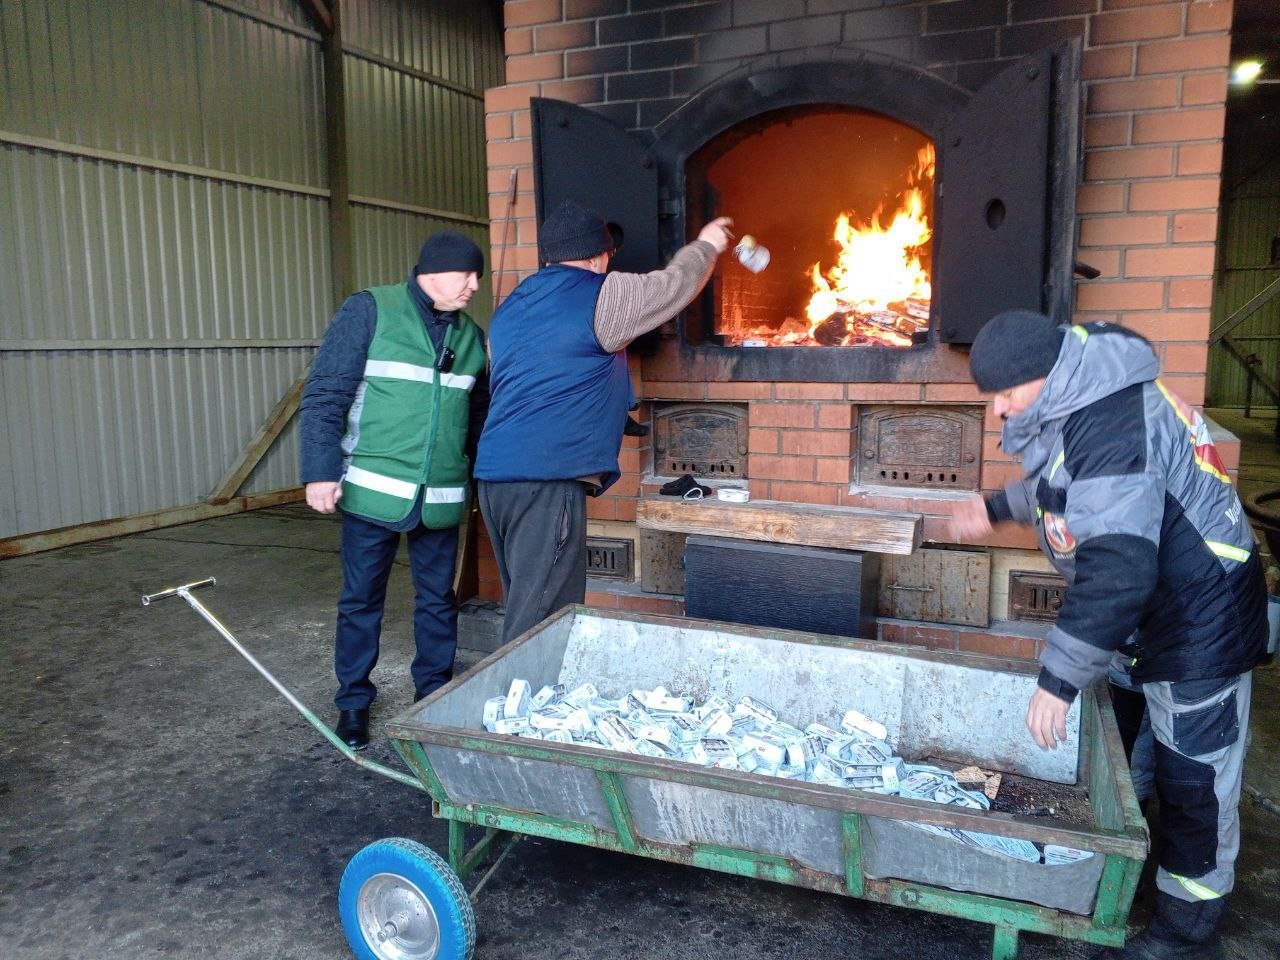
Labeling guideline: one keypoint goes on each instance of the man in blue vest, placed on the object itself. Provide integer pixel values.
(561, 388)
(390, 417)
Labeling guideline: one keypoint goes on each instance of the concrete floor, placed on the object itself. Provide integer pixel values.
(158, 798)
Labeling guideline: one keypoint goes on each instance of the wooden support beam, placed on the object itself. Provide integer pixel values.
(335, 130)
(320, 16)
(1264, 296)
(844, 528)
(267, 434)
(1251, 369)
(121, 526)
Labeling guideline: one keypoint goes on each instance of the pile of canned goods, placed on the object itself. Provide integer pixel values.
(747, 735)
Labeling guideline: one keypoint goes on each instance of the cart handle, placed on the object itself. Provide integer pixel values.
(184, 592)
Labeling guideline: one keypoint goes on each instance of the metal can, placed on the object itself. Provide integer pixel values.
(751, 254)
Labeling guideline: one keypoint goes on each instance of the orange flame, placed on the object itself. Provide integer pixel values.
(878, 265)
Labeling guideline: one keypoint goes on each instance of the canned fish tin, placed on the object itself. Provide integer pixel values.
(493, 711)
(717, 724)
(614, 732)
(769, 749)
(580, 695)
(517, 704)
(547, 695)
(853, 720)
(757, 708)
(751, 254)
(513, 726)
(823, 732)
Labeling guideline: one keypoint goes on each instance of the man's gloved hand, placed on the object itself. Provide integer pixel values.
(682, 485)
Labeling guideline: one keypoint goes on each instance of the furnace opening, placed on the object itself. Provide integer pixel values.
(843, 200)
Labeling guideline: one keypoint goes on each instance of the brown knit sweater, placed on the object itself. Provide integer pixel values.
(634, 303)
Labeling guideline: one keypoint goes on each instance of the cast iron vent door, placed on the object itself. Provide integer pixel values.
(1006, 219)
(612, 558)
(580, 155)
(702, 439)
(900, 446)
(1035, 596)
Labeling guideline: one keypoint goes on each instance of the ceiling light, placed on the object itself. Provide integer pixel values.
(1246, 71)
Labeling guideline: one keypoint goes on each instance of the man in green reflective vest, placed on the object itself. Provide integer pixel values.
(391, 413)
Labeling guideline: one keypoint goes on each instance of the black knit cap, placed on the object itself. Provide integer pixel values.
(447, 251)
(573, 232)
(1015, 347)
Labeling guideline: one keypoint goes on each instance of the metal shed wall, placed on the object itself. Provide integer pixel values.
(1249, 233)
(164, 264)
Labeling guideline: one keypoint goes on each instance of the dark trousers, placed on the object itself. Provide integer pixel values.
(368, 551)
(539, 534)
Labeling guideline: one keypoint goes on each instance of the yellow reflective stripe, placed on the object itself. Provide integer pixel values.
(1057, 463)
(1080, 332)
(1226, 550)
(1173, 403)
(1198, 890)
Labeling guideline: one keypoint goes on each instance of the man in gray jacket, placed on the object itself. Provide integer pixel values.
(1133, 506)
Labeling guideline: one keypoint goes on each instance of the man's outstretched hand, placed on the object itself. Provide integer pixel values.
(1047, 719)
(717, 233)
(969, 520)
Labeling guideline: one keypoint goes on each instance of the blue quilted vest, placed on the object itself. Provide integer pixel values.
(559, 400)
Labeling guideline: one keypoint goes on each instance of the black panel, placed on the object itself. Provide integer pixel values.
(1006, 181)
(579, 155)
(775, 585)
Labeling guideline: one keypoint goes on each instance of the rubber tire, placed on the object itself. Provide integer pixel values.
(431, 874)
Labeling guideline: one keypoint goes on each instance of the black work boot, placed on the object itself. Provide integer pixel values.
(353, 728)
(1180, 930)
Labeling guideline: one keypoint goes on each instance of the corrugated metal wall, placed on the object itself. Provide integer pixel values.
(164, 263)
(1250, 225)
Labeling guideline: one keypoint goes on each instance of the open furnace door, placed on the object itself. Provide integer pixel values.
(580, 155)
(1008, 175)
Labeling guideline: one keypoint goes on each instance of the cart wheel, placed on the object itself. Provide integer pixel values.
(400, 900)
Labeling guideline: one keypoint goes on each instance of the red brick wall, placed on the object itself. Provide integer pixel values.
(1155, 75)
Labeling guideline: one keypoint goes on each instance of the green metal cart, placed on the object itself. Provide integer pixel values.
(399, 900)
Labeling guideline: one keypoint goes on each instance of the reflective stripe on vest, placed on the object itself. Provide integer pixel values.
(1237, 554)
(395, 370)
(383, 484)
(444, 494)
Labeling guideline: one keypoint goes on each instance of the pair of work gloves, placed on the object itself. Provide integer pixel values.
(682, 487)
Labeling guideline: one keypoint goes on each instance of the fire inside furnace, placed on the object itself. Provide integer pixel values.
(843, 199)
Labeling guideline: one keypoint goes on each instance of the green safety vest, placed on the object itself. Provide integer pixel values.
(407, 426)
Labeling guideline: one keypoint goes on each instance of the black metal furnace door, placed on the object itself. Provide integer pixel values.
(580, 155)
(1008, 173)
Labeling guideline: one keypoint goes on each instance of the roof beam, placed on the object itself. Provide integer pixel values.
(318, 11)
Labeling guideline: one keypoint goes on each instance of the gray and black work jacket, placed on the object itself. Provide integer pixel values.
(1133, 506)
